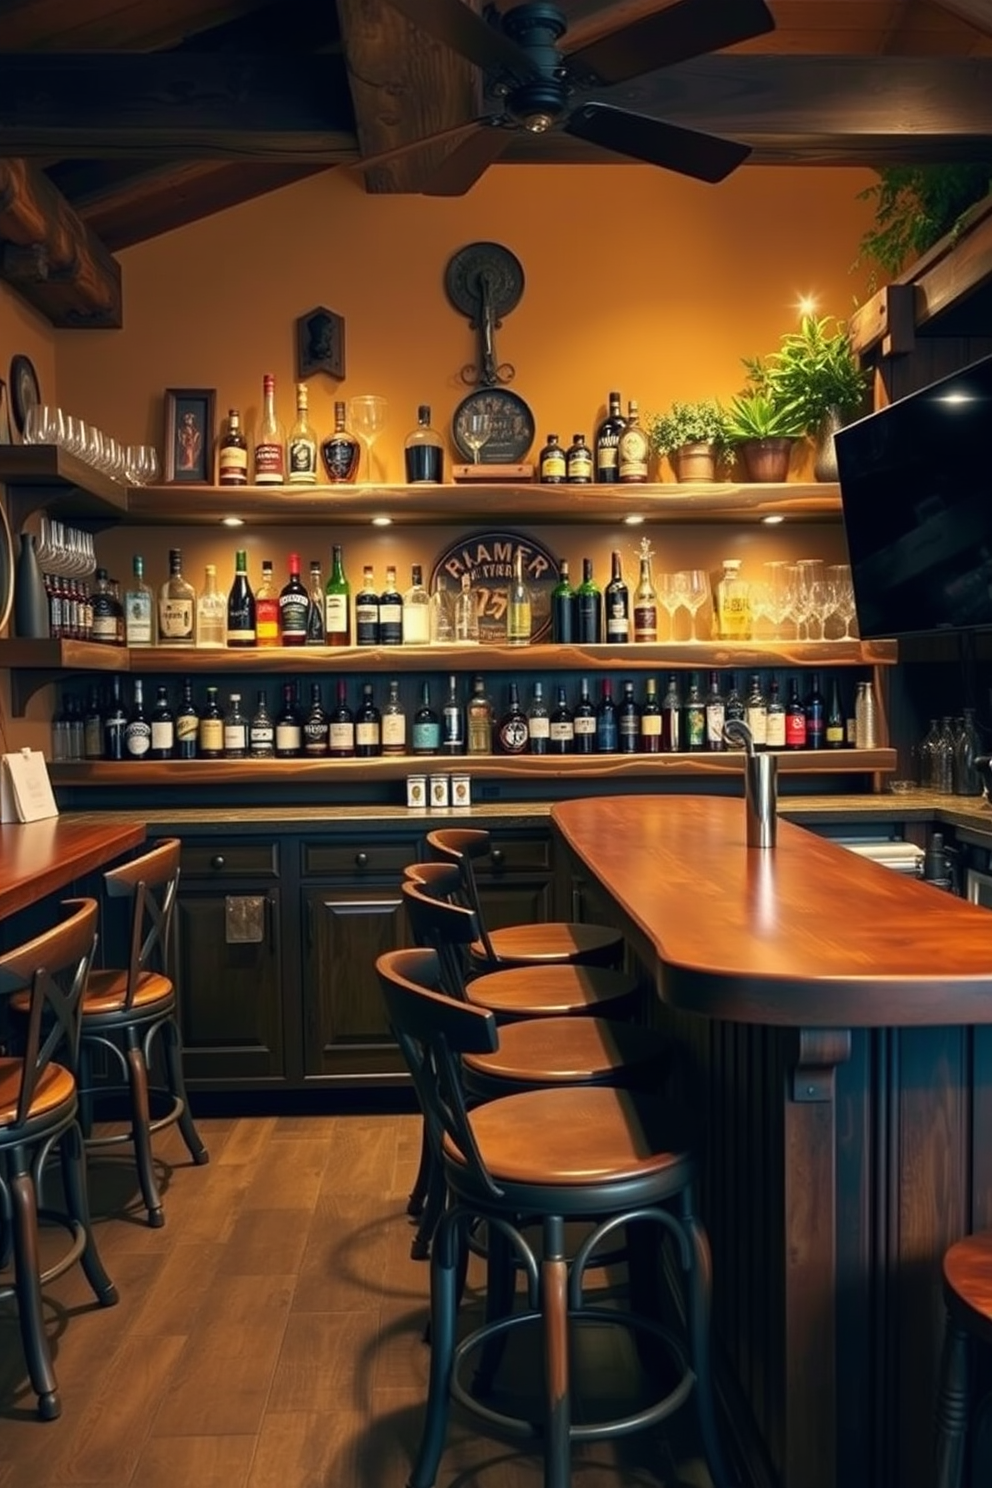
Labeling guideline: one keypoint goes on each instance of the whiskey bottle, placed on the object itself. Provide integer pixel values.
(176, 606)
(368, 726)
(261, 731)
(235, 729)
(775, 718)
(651, 719)
(301, 447)
(267, 608)
(341, 733)
(232, 453)
(367, 611)
(633, 448)
(416, 611)
(733, 603)
(551, 466)
(139, 610)
(315, 614)
(518, 605)
(561, 737)
(337, 603)
(104, 611)
(511, 731)
(589, 608)
(714, 708)
(393, 722)
(756, 712)
(211, 612)
(672, 731)
(316, 730)
(584, 721)
(187, 724)
(628, 721)
(137, 730)
(733, 708)
(289, 726)
(578, 462)
(616, 603)
(241, 606)
(270, 446)
(645, 604)
(340, 452)
(294, 606)
(163, 727)
(452, 721)
(426, 725)
(423, 451)
(479, 720)
(390, 612)
(606, 460)
(210, 736)
(607, 734)
(563, 606)
(538, 722)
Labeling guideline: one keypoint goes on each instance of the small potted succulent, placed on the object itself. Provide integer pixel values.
(693, 436)
(763, 429)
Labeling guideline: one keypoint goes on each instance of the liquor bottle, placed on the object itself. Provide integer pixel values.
(416, 611)
(76, 731)
(187, 724)
(301, 448)
(518, 605)
(732, 611)
(210, 735)
(538, 722)
(104, 611)
(367, 610)
(589, 608)
(115, 590)
(316, 729)
(645, 603)
(616, 604)
(628, 722)
(867, 730)
(426, 724)
(795, 720)
(633, 448)
(651, 720)
(551, 468)
(114, 723)
(584, 721)
(368, 726)
(713, 706)
(232, 453)
(93, 727)
(452, 721)
(267, 608)
(393, 722)
(176, 606)
(672, 732)
(341, 733)
(479, 720)
(578, 462)
(60, 733)
(733, 708)
(289, 726)
(137, 730)
(564, 626)
(694, 717)
(261, 731)
(511, 732)
(465, 616)
(340, 452)
(756, 712)
(816, 715)
(235, 729)
(390, 612)
(337, 603)
(561, 738)
(211, 612)
(607, 732)
(139, 609)
(423, 451)
(294, 606)
(315, 614)
(834, 731)
(270, 446)
(163, 726)
(607, 462)
(775, 728)
(441, 614)
(241, 614)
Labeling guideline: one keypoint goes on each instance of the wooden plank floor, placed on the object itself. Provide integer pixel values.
(270, 1335)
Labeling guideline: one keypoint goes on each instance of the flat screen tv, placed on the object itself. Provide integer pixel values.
(916, 491)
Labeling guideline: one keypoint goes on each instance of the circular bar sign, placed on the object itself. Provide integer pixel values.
(490, 557)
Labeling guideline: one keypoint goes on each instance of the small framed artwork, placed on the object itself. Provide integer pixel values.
(189, 435)
(320, 343)
(4, 415)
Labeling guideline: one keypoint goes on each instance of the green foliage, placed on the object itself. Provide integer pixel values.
(915, 205)
(756, 414)
(813, 371)
(704, 422)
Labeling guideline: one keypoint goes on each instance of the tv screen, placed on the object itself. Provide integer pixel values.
(916, 491)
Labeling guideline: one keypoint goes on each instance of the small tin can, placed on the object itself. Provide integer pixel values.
(461, 790)
(416, 792)
(440, 794)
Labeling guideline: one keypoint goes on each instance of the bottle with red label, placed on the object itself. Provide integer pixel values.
(795, 719)
(294, 606)
(270, 446)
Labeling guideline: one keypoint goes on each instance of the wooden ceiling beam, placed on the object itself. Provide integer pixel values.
(977, 13)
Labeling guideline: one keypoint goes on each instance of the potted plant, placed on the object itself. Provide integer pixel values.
(693, 436)
(815, 375)
(763, 429)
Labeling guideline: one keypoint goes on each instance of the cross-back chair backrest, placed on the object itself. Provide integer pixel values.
(449, 929)
(150, 882)
(433, 1032)
(52, 968)
(459, 845)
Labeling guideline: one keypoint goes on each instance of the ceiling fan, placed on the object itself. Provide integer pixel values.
(537, 85)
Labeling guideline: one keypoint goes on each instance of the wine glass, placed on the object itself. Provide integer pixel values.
(809, 594)
(842, 592)
(476, 431)
(693, 590)
(780, 578)
(367, 416)
(669, 598)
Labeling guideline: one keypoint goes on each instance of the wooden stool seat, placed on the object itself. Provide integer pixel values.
(568, 1051)
(107, 992)
(967, 1272)
(968, 1284)
(553, 991)
(56, 1086)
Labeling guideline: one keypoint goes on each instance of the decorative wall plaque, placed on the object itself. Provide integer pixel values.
(490, 558)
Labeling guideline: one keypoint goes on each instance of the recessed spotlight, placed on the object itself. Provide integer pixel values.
(772, 521)
(382, 521)
(232, 521)
(633, 520)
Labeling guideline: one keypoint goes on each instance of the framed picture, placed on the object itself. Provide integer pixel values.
(4, 415)
(189, 435)
(319, 343)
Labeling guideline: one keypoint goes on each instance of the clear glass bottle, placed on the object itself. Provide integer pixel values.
(60, 733)
(163, 725)
(733, 603)
(606, 458)
(589, 608)
(967, 746)
(578, 462)
(479, 719)
(551, 465)
(267, 608)
(538, 721)
(232, 453)
(633, 448)
(616, 605)
(393, 722)
(943, 754)
(270, 445)
(235, 729)
(564, 627)
(139, 608)
(367, 610)
(93, 727)
(452, 721)
(176, 606)
(240, 613)
(301, 448)
(518, 605)
(416, 611)
(926, 755)
(294, 606)
(645, 602)
(340, 452)
(466, 613)
(423, 451)
(211, 612)
(390, 612)
(368, 726)
(315, 615)
(261, 731)
(337, 602)
(442, 615)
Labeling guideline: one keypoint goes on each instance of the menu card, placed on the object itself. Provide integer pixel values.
(25, 789)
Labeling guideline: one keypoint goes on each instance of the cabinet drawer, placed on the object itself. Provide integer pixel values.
(516, 855)
(346, 859)
(229, 859)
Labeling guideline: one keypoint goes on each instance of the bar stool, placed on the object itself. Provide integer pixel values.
(603, 1155)
(967, 1270)
(545, 942)
(39, 1109)
(125, 1009)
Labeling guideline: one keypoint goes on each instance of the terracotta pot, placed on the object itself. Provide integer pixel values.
(766, 459)
(694, 462)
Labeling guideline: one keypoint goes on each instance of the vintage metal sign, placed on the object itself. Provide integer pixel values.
(490, 558)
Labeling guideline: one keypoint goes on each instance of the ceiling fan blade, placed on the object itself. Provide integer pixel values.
(705, 156)
(686, 29)
(453, 136)
(462, 168)
(459, 27)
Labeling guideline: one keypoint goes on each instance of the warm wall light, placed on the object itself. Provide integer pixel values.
(807, 304)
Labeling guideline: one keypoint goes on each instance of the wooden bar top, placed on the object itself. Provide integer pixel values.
(38, 858)
(802, 934)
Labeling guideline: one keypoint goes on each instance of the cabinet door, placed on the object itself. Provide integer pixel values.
(230, 987)
(344, 930)
(515, 881)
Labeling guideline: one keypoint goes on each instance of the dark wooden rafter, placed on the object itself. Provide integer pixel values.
(977, 13)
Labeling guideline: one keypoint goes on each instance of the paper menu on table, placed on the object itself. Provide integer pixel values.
(25, 789)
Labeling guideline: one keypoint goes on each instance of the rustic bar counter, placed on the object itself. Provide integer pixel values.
(838, 1019)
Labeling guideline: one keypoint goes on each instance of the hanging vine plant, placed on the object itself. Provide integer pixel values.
(915, 205)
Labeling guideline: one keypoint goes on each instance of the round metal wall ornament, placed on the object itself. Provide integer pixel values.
(510, 425)
(490, 557)
(24, 390)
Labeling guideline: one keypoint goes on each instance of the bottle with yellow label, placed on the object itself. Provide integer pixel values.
(733, 603)
(551, 466)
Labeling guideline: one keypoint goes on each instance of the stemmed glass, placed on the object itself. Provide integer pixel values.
(669, 598)
(842, 596)
(809, 595)
(693, 591)
(780, 578)
(367, 416)
(476, 432)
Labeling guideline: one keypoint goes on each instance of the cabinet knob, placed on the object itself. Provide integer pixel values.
(362, 859)
(497, 857)
(217, 861)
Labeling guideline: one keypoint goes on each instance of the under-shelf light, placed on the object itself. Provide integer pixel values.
(232, 521)
(633, 519)
(382, 521)
(773, 520)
